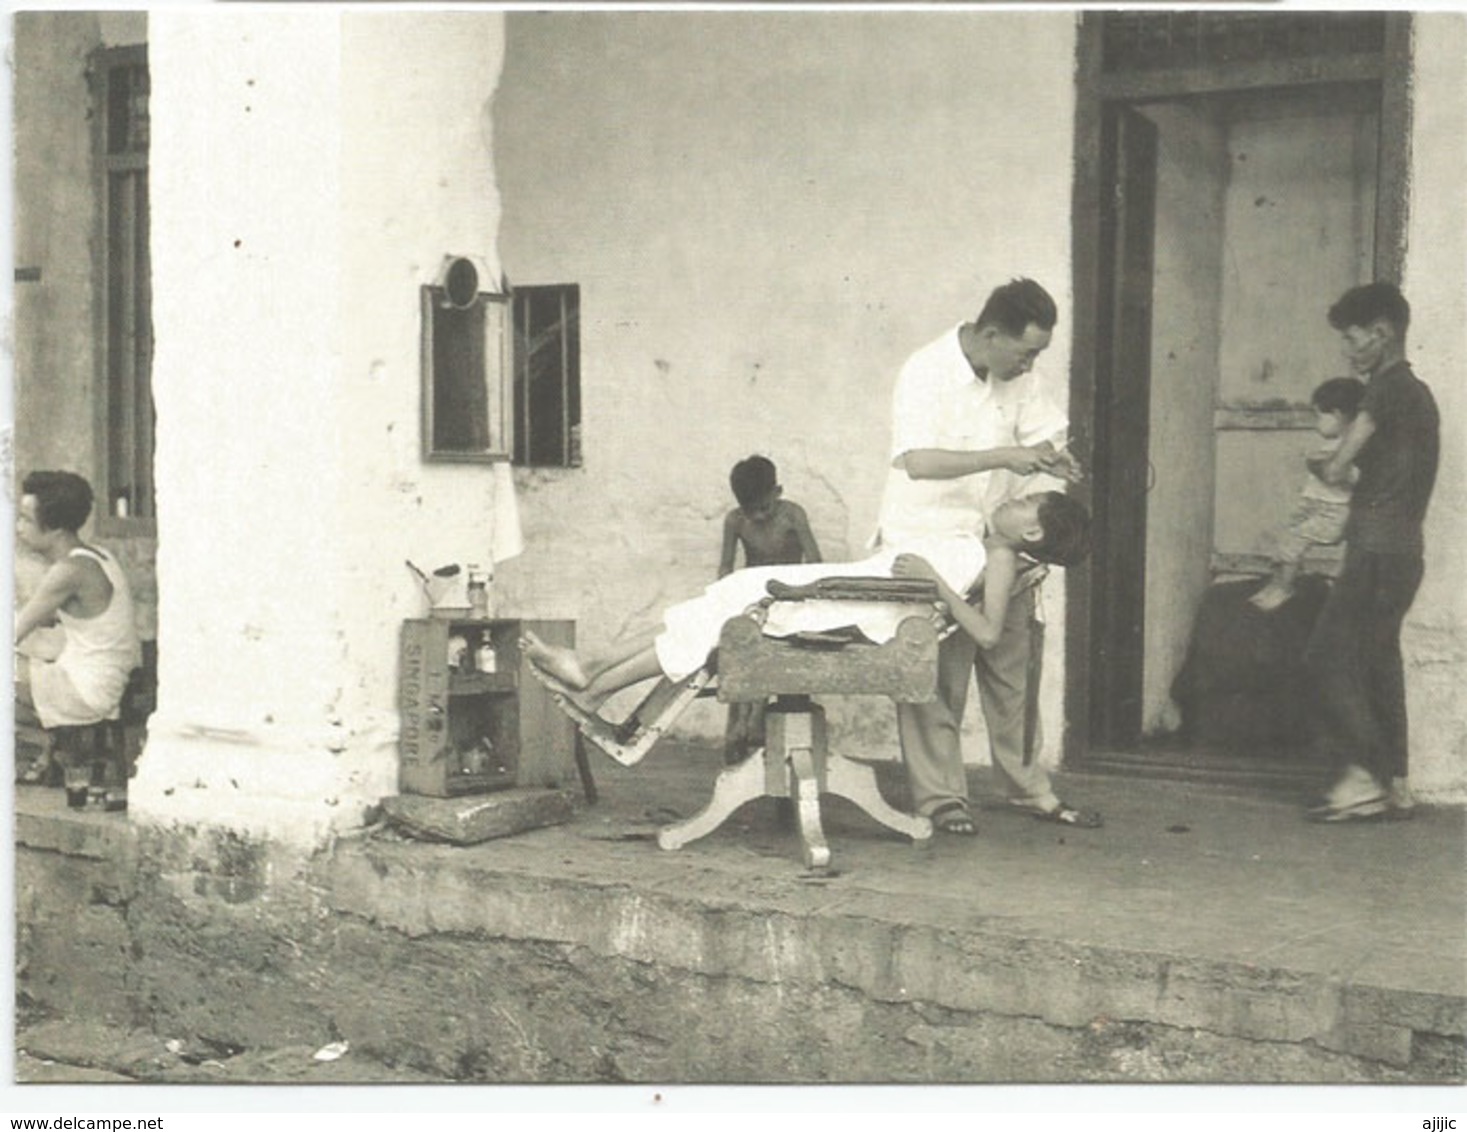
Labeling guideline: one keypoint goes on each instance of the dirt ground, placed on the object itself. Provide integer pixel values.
(54, 1051)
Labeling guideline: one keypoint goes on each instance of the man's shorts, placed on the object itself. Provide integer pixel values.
(1315, 522)
(57, 701)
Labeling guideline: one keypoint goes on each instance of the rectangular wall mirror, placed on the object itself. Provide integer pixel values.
(466, 362)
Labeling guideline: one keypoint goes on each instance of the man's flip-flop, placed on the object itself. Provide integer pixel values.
(954, 818)
(1062, 814)
(1370, 809)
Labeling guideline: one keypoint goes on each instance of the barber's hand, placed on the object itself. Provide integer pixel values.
(1066, 467)
(913, 566)
(1027, 461)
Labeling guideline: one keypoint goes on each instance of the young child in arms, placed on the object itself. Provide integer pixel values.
(1322, 510)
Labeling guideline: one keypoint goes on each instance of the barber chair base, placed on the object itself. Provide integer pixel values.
(795, 764)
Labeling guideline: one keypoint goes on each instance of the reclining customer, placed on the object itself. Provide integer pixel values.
(85, 590)
(1047, 527)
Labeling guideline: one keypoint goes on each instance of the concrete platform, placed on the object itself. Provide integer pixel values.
(1204, 934)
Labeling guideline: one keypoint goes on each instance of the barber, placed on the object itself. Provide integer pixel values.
(969, 426)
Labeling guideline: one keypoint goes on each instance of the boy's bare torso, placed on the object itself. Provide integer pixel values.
(773, 542)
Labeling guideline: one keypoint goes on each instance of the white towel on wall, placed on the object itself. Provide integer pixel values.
(506, 539)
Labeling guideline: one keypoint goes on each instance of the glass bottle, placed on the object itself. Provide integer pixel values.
(478, 594)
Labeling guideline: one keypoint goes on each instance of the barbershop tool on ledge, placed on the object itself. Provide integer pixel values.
(445, 591)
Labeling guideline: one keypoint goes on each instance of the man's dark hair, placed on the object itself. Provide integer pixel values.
(1339, 395)
(1066, 538)
(1361, 306)
(63, 499)
(752, 479)
(1015, 305)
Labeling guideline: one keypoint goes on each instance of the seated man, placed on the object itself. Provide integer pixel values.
(1048, 527)
(85, 591)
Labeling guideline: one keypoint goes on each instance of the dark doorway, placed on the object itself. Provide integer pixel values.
(1233, 172)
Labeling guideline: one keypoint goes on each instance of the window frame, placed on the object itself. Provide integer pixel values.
(571, 453)
(102, 65)
(495, 361)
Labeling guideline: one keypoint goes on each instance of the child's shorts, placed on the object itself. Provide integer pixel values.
(1315, 522)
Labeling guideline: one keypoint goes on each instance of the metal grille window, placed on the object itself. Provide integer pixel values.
(1144, 41)
(547, 376)
(125, 342)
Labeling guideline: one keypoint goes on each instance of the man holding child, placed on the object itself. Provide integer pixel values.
(1354, 653)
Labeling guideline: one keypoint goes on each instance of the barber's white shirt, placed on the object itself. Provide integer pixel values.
(940, 403)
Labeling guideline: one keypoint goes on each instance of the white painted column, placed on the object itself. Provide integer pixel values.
(1435, 636)
(299, 178)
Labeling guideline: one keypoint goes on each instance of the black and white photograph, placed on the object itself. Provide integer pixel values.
(663, 547)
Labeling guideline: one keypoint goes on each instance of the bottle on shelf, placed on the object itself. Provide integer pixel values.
(478, 593)
(479, 759)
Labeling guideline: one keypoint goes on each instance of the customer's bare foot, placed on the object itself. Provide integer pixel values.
(555, 660)
(1271, 597)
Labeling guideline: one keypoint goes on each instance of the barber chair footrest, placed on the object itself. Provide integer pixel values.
(629, 742)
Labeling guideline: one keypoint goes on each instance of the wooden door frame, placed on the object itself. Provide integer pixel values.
(1122, 421)
(1390, 68)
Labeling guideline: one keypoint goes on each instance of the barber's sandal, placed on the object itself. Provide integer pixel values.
(1355, 797)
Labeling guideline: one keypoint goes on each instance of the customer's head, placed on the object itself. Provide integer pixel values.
(1014, 328)
(1048, 526)
(1372, 321)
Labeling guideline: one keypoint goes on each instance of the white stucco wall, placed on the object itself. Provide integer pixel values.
(417, 184)
(1435, 637)
(765, 213)
(53, 216)
(310, 169)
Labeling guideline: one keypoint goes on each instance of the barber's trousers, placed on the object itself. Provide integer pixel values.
(1354, 663)
(1008, 686)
